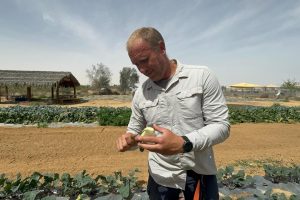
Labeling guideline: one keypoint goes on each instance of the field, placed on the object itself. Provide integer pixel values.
(74, 149)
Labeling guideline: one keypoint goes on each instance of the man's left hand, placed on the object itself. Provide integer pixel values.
(167, 143)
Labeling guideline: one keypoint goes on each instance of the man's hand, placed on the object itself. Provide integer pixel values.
(167, 143)
(126, 141)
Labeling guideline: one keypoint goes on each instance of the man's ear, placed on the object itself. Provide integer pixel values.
(162, 47)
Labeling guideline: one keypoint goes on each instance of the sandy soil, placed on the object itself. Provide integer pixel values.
(95, 102)
(104, 102)
(116, 103)
(73, 149)
(125, 101)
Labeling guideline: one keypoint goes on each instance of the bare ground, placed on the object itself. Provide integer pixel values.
(73, 149)
(125, 101)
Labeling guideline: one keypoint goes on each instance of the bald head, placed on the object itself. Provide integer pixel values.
(148, 34)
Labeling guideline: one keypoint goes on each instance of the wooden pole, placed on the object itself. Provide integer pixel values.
(29, 93)
(6, 92)
(74, 92)
(57, 92)
(52, 92)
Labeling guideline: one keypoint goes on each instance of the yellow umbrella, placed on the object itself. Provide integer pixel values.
(245, 85)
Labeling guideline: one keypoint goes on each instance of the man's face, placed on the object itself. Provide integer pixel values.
(149, 61)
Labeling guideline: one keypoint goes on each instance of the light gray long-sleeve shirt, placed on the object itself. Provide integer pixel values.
(192, 104)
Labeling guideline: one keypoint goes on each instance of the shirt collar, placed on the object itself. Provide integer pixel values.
(180, 73)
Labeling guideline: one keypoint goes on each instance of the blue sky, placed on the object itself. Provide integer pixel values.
(255, 41)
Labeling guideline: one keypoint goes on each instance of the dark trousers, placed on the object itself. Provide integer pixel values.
(208, 188)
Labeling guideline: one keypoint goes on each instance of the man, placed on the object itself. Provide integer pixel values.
(187, 109)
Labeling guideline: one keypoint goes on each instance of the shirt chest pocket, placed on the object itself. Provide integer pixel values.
(152, 111)
(190, 102)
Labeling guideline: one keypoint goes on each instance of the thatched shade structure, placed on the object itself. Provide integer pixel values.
(52, 79)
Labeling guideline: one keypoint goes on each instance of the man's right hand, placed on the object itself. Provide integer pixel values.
(126, 141)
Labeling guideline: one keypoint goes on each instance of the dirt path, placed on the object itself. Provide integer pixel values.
(72, 150)
(125, 101)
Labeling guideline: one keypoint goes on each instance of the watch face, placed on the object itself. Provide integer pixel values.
(188, 146)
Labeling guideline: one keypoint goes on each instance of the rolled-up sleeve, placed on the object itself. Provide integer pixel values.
(215, 115)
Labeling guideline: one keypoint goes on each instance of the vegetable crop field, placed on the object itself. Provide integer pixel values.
(69, 149)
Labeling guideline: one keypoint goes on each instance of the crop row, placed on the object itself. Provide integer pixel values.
(51, 185)
(83, 186)
(255, 114)
(120, 116)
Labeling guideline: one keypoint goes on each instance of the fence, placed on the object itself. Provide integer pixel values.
(271, 93)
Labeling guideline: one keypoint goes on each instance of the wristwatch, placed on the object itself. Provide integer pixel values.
(187, 145)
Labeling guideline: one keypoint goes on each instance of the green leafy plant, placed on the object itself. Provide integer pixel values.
(109, 116)
(114, 116)
(81, 186)
(275, 113)
(227, 177)
(42, 125)
(279, 196)
(282, 174)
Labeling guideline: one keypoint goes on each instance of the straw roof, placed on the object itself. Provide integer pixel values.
(37, 78)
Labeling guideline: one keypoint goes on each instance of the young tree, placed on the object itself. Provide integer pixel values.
(289, 84)
(128, 79)
(290, 87)
(99, 76)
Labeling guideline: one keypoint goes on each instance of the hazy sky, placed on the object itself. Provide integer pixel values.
(255, 41)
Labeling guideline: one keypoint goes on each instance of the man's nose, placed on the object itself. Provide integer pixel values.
(143, 69)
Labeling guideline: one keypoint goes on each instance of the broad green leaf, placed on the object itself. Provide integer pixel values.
(31, 195)
(125, 190)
